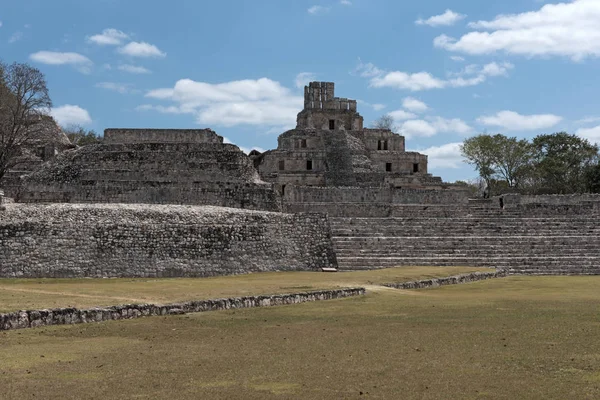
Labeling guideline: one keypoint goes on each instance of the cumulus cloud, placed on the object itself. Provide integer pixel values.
(570, 29)
(591, 134)
(514, 121)
(457, 58)
(108, 37)
(470, 76)
(71, 115)
(446, 19)
(314, 10)
(444, 156)
(141, 49)
(134, 69)
(304, 78)
(414, 105)
(122, 88)
(401, 115)
(342, 2)
(431, 126)
(245, 102)
(81, 62)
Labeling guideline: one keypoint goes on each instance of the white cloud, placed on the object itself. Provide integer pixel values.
(446, 19)
(432, 126)
(414, 105)
(304, 78)
(342, 2)
(245, 102)
(368, 70)
(444, 156)
(400, 115)
(15, 37)
(134, 69)
(141, 49)
(587, 120)
(471, 75)
(82, 63)
(110, 37)
(591, 134)
(413, 82)
(570, 29)
(417, 127)
(378, 107)
(513, 121)
(116, 87)
(457, 58)
(314, 10)
(71, 115)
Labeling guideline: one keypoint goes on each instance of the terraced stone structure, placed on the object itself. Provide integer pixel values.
(526, 235)
(155, 166)
(330, 152)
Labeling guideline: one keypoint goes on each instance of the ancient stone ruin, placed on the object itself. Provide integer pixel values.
(151, 202)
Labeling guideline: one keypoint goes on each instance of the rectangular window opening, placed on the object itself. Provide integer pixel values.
(303, 143)
(385, 144)
(281, 165)
(415, 167)
(379, 145)
(309, 165)
(388, 167)
(331, 124)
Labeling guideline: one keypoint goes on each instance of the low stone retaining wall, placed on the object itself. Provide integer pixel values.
(63, 316)
(451, 280)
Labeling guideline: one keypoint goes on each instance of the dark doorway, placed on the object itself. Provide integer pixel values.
(388, 167)
(385, 144)
(415, 167)
(281, 165)
(331, 124)
(303, 143)
(309, 165)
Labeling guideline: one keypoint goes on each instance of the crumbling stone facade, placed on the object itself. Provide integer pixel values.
(120, 240)
(156, 166)
(330, 148)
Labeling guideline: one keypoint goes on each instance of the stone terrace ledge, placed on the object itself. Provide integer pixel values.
(114, 136)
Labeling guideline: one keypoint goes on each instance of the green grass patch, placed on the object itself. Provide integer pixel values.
(510, 338)
(27, 294)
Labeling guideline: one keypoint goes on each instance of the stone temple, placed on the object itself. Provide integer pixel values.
(331, 147)
(334, 194)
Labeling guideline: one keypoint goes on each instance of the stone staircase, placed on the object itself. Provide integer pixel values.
(545, 245)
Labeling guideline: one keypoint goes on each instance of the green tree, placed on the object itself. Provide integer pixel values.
(480, 152)
(512, 159)
(593, 179)
(79, 136)
(562, 162)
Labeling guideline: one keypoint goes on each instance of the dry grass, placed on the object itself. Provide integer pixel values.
(19, 294)
(510, 338)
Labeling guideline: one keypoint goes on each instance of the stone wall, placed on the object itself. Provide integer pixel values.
(450, 280)
(300, 194)
(75, 240)
(161, 136)
(65, 316)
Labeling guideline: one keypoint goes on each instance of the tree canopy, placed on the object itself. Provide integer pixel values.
(554, 163)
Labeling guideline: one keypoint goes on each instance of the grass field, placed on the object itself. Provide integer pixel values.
(509, 338)
(27, 294)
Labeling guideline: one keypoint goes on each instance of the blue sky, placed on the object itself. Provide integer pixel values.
(445, 70)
